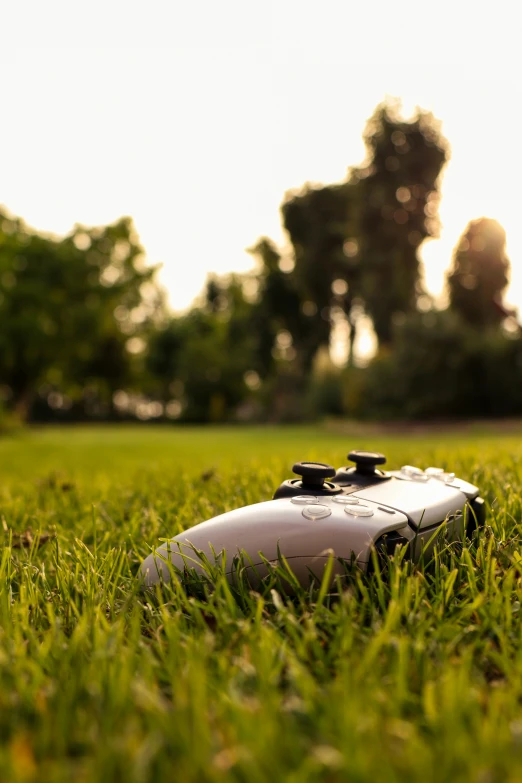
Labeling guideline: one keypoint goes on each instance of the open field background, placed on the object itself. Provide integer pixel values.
(417, 676)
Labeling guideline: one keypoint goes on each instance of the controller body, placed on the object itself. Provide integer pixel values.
(311, 519)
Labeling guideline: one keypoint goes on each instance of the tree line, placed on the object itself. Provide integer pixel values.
(85, 332)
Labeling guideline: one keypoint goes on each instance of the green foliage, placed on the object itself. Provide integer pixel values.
(8, 421)
(356, 244)
(398, 204)
(68, 309)
(441, 367)
(83, 326)
(100, 682)
(479, 273)
(278, 307)
(318, 221)
(200, 360)
(325, 395)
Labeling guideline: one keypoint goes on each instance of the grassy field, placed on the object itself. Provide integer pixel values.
(414, 677)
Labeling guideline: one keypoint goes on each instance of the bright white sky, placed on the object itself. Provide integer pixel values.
(195, 117)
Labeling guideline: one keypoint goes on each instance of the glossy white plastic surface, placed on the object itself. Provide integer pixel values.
(306, 529)
(262, 527)
(426, 503)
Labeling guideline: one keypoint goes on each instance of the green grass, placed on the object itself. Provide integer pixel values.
(413, 677)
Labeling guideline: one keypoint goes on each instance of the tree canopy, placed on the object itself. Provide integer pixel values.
(480, 273)
(73, 311)
(398, 209)
(85, 330)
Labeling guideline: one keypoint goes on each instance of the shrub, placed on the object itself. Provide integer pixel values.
(440, 367)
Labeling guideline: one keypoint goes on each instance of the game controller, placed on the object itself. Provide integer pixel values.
(347, 513)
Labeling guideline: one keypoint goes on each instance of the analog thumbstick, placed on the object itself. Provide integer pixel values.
(366, 461)
(313, 474)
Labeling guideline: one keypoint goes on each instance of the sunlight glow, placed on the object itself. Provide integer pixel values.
(198, 136)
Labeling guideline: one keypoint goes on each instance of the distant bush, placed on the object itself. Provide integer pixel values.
(325, 395)
(9, 422)
(440, 367)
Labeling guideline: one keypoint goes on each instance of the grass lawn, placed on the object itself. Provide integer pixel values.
(415, 677)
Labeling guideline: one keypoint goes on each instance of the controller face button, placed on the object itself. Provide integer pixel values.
(359, 511)
(303, 500)
(316, 512)
(410, 470)
(344, 501)
(440, 474)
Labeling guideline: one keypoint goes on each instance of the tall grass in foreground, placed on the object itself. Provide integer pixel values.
(409, 675)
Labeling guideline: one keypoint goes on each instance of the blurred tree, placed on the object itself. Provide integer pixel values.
(278, 310)
(73, 312)
(397, 210)
(479, 273)
(357, 243)
(162, 360)
(205, 360)
(442, 367)
(212, 294)
(319, 221)
(285, 338)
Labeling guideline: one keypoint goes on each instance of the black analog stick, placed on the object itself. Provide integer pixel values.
(313, 477)
(366, 461)
(313, 474)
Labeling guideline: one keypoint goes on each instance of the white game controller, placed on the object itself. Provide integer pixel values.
(311, 519)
